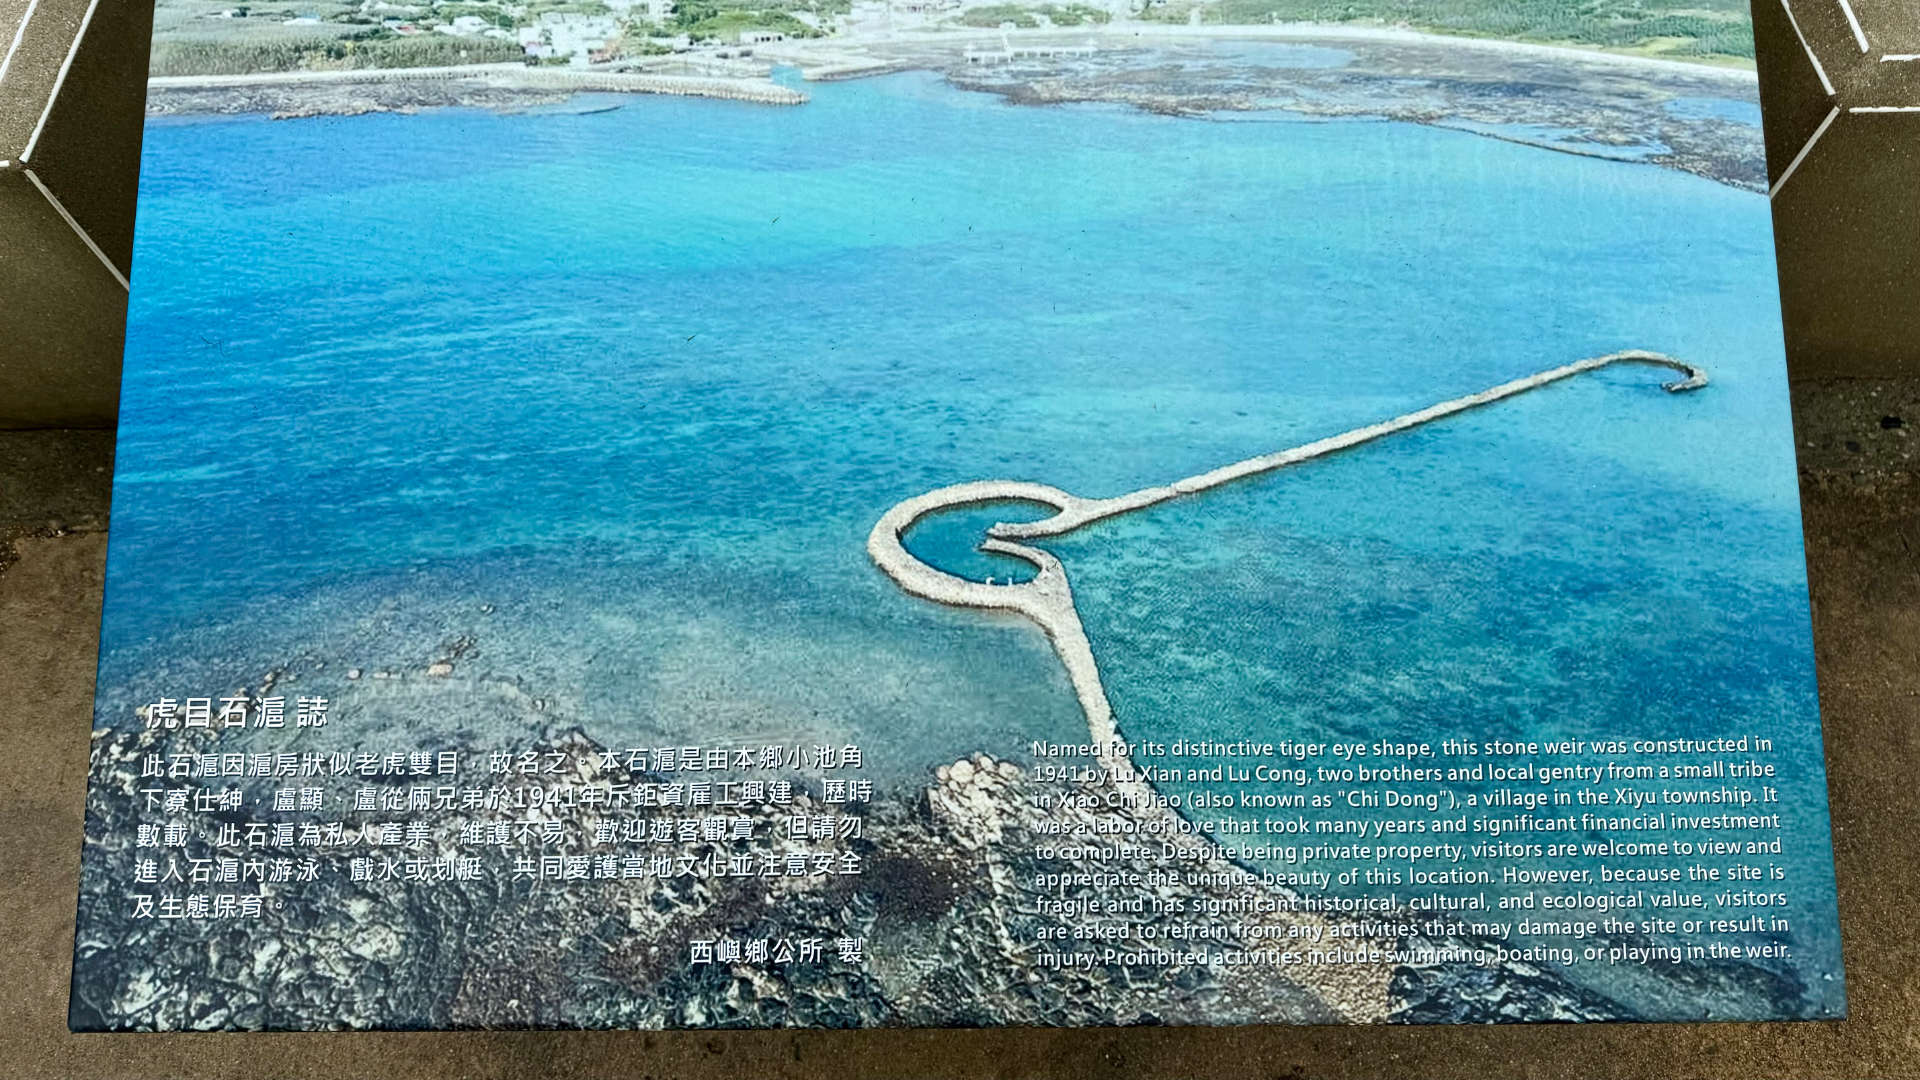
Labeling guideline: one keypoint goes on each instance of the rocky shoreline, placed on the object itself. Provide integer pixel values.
(948, 903)
(288, 102)
(1565, 100)
(1557, 100)
(291, 95)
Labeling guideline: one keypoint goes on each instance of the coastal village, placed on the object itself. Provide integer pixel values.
(218, 38)
(576, 33)
(1556, 85)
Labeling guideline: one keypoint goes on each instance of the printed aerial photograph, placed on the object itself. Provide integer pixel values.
(698, 513)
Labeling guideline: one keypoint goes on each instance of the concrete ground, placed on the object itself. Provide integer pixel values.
(1861, 487)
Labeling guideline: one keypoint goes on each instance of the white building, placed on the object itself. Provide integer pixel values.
(577, 36)
(655, 10)
(466, 26)
(868, 17)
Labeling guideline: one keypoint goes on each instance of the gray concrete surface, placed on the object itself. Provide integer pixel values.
(1861, 486)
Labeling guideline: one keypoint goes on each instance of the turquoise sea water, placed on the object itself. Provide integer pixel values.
(1729, 109)
(618, 396)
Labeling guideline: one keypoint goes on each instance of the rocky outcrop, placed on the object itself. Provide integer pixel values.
(950, 907)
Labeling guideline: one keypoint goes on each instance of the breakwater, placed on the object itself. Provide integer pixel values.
(1047, 599)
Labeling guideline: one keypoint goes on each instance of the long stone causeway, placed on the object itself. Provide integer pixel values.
(1047, 600)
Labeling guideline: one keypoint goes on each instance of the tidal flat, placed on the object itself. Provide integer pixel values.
(1696, 117)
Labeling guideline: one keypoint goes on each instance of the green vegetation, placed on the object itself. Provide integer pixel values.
(704, 20)
(378, 48)
(635, 39)
(995, 14)
(1026, 16)
(558, 7)
(187, 43)
(816, 7)
(1073, 14)
(1704, 28)
(734, 16)
(493, 13)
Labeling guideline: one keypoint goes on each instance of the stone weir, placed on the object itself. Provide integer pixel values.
(1047, 600)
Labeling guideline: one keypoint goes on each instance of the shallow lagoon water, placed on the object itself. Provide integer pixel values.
(950, 540)
(639, 383)
(1732, 110)
(1283, 55)
(1573, 140)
